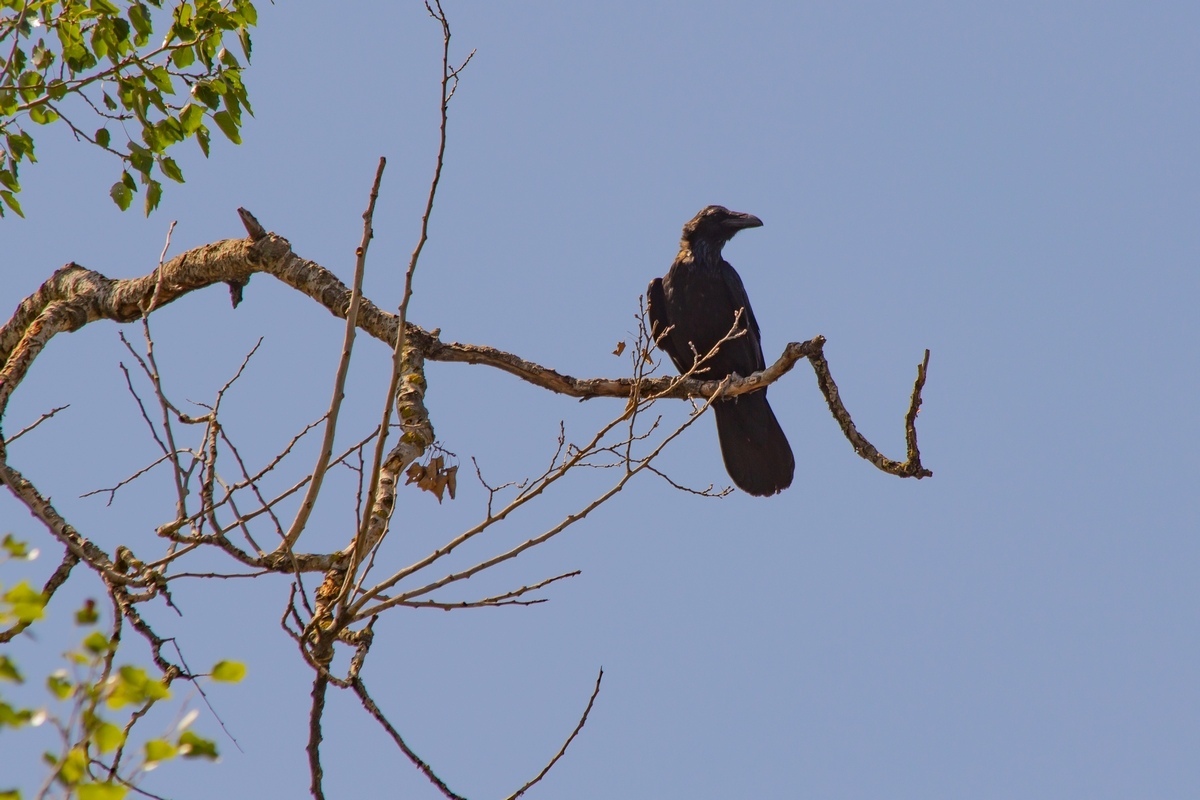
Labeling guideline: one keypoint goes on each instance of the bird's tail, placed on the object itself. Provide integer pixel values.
(756, 451)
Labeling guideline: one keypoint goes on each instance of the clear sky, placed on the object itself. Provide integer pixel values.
(1014, 186)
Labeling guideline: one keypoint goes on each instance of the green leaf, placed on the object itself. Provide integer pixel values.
(20, 145)
(28, 604)
(43, 115)
(121, 194)
(104, 7)
(247, 10)
(183, 57)
(109, 103)
(73, 766)
(101, 791)
(17, 64)
(108, 737)
(140, 158)
(160, 750)
(8, 102)
(56, 89)
(193, 746)
(169, 131)
(170, 169)
(228, 126)
(153, 195)
(162, 79)
(204, 92)
(11, 544)
(10, 794)
(102, 137)
(202, 139)
(99, 42)
(12, 717)
(87, 615)
(11, 202)
(59, 686)
(43, 56)
(30, 85)
(229, 671)
(140, 17)
(121, 34)
(9, 671)
(191, 118)
(133, 685)
(151, 138)
(96, 642)
(244, 40)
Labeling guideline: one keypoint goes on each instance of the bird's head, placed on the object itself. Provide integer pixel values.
(716, 225)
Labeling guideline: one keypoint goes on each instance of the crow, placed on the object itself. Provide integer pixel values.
(693, 308)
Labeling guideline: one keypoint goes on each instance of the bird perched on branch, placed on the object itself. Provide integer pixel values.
(693, 309)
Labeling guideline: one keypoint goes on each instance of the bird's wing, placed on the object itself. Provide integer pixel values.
(656, 309)
(739, 299)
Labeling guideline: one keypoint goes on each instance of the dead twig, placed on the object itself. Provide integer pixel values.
(563, 750)
(343, 367)
(34, 424)
(360, 689)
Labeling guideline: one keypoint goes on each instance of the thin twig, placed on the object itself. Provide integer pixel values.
(562, 750)
(360, 689)
(33, 425)
(506, 599)
(343, 367)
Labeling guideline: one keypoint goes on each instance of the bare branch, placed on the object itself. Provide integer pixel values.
(112, 491)
(320, 685)
(562, 750)
(911, 468)
(506, 599)
(343, 367)
(34, 424)
(360, 609)
(74, 296)
(360, 689)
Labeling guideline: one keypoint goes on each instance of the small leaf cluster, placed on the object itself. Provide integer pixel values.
(99, 704)
(434, 477)
(64, 60)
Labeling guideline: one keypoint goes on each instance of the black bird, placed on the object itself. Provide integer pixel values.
(692, 309)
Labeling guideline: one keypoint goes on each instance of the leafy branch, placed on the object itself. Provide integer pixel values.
(74, 61)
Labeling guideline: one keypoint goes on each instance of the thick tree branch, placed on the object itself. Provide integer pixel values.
(75, 296)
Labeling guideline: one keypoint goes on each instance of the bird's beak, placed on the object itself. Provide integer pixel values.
(739, 221)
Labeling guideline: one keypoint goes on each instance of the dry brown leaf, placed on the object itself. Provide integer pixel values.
(434, 477)
(620, 348)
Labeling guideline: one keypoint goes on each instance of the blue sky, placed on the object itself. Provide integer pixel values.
(1015, 187)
